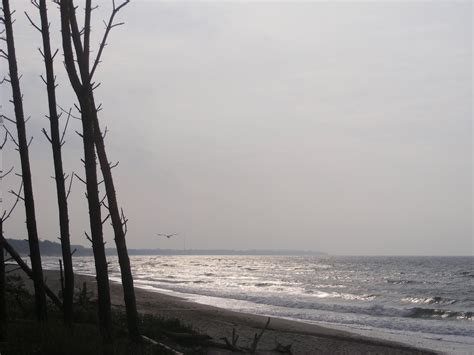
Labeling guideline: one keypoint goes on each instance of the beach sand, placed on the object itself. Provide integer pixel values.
(219, 323)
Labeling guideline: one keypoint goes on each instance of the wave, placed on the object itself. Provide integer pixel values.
(167, 265)
(429, 300)
(264, 284)
(344, 296)
(145, 278)
(418, 312)
(384, 311)
(375, 310)
(157, 281)
(351, 297)
(402, 282)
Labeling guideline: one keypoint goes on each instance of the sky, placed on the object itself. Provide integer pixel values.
(343, 127)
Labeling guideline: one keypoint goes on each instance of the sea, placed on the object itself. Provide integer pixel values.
(421, 301)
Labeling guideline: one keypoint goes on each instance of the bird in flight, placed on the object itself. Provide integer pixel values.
(167, 235)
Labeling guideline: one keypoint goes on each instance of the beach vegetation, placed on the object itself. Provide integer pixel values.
(22, 334)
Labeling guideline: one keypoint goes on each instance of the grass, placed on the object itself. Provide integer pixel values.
(22, 334)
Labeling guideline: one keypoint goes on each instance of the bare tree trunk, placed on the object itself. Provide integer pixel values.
(96, 222)
(56, 142)
(40, 298)
(118, 224)
(118, 220)
(82, 93)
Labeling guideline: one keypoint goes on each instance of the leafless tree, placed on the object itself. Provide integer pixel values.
(82, 90)
(56, 138)
(22, 145)
(119, 222)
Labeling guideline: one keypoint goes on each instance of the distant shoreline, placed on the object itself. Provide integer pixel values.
(49, 248)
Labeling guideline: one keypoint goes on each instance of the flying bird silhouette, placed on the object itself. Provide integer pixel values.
(166, 235)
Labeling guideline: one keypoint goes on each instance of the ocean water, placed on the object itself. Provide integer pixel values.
(422, 301)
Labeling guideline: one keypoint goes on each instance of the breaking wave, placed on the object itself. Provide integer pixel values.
(418, 312)
(429, 300)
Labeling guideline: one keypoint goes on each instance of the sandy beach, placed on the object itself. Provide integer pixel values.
(294, 175)
(219, 323)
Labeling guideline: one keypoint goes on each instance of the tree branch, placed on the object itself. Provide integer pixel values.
(106, 218)
(7, 173)
(65, 126)
(11, 137)
(69, 112)
(87, 33)
(4, 141)
(46, 135)
(31, 21)
(108, 27)
(76, 39)
(67, 47)
(81, 180)
(70, 185)
(6, 214)
(7, 118)
(88, 237)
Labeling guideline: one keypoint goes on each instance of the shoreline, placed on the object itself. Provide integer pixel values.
(217, 323)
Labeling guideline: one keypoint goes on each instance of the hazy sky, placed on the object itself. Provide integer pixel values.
(344, 127)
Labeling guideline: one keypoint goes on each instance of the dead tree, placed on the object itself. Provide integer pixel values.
(82, 91)
(3, 308)
(57, 140)
(22, 145)
(119, 222)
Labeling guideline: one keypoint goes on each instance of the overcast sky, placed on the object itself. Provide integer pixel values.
(344, 127)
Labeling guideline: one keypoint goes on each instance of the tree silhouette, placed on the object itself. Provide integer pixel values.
(56, 138)
(119, 222)
(23, 145)
(82, 91)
